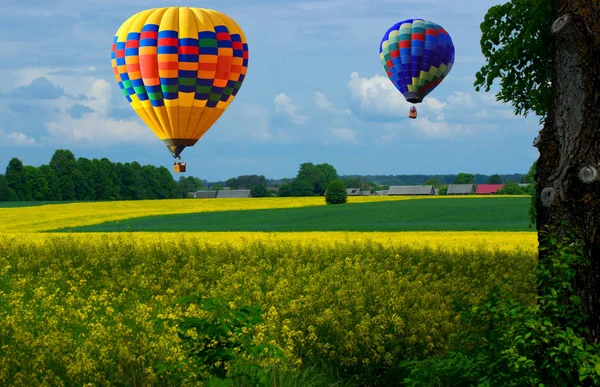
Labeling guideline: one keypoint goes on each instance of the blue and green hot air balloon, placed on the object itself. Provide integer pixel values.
(416, 55)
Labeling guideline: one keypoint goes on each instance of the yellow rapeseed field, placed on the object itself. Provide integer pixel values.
(78, 309)
(448, 240)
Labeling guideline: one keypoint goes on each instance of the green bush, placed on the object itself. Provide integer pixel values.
(259, 191)
(336, 193)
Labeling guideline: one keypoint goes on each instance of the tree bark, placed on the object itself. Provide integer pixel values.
(568, 170)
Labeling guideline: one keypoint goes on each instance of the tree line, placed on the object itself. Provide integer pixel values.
(66, 178)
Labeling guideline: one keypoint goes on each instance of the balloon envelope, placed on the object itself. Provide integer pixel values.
(179, 68)
(416, 55)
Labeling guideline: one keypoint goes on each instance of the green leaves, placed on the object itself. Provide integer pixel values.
(518, 45)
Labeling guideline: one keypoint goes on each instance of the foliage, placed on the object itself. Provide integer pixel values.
(318, 176)
(464, 178)
(530, 176)
(507, 342)
(4, 189)
(346, 301)
(246, 181)
(433, 182)
(259, 191)
(494, 179)
(189, 184)
(443, 190)
(336, 193)
(517, 39)
(68, 179)
(512, 188)
(221, 345)
(17, 180)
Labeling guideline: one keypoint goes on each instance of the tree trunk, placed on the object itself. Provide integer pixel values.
(568, 170)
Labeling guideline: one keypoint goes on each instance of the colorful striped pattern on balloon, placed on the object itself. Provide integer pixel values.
(179, 68)
(416, 55)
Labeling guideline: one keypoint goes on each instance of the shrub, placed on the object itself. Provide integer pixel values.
(259, 191)
(336, 193)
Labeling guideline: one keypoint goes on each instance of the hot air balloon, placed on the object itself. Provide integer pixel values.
(179, 68)
(416, 55)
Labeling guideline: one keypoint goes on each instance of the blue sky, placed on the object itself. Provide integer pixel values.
(315, 91)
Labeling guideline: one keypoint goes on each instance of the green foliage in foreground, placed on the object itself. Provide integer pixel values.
(442, 214)
(507, 343)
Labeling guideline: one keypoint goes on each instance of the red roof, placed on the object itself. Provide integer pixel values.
(487, 189)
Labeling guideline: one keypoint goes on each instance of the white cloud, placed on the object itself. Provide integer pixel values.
(95, 128)
(16, 139)
(324, 104)
(462, 99)
(284, 105)
(252, 123)
(376, 97)
(344, 135)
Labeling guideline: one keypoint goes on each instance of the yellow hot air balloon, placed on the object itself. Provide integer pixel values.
(179, 68)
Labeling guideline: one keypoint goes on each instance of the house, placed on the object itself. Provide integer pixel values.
(234, 194)
(487, 189)
(205, 194)
(353, 191)
(461, 189)
(381, 193)
(411, 190)
(365, 192)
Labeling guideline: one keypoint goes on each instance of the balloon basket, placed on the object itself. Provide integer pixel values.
(179, 167)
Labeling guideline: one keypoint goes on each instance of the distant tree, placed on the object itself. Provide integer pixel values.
(494, 179)
(139, 183)
(4, 190)
(63, 163)
(336, 193)
(434, 182)
(54, 192)
(352, 182)
(259, 191)
(329, 174)
(84, 178)
(302, 187)
(189, 184)
(464, 178)
(17, 179)
(511, 188)
(217, 187)
(443, 190)
(36, 183)
(285, 190)
(317, 175)
(530, 176)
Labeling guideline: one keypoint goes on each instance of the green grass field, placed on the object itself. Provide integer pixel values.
(456, 214)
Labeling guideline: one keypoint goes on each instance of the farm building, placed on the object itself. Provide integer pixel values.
(487, 189)
(365, 192)
(205, 194)
(411, 190)
(383, 192)
(461, 189)
(234, 194)
(436, 191)
(353, 191)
